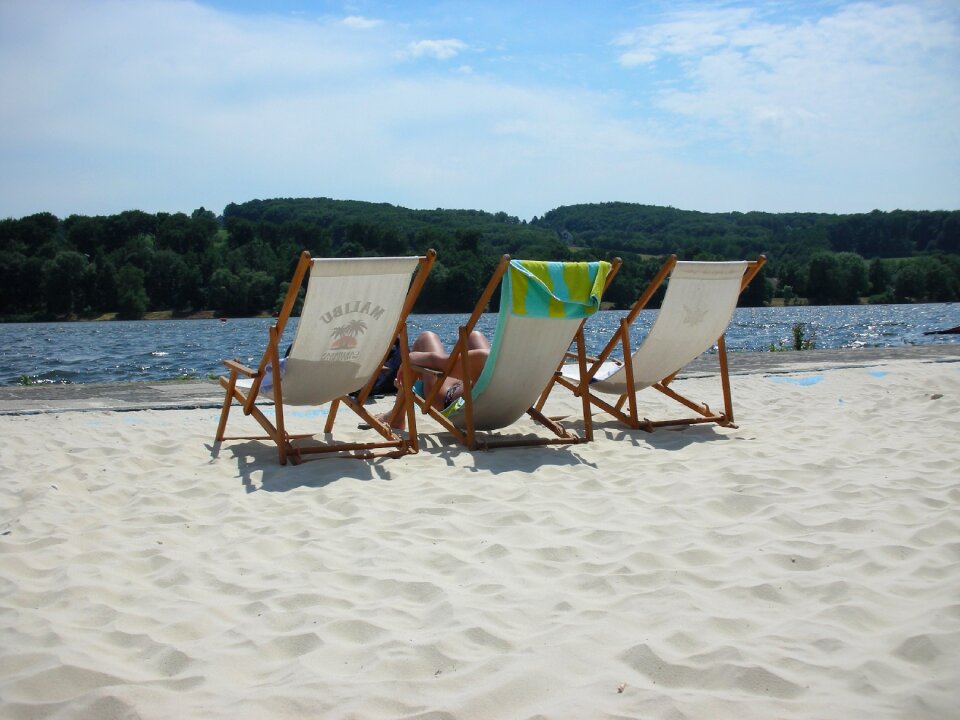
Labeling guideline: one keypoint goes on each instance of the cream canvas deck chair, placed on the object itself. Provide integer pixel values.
(542, 310)
(354, 310)
(696, 310)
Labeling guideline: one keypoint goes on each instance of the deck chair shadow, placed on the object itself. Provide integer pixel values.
(696, 310)
(543, 306)
(353, 312)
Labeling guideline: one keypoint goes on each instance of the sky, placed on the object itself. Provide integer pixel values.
(520, 107)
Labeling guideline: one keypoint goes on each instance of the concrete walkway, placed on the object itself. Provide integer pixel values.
(26, 400)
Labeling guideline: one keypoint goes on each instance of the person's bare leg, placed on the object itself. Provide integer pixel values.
(427, 341)
(436, 358)
(426, 345)
(478, 348)
(428, 351)
(396, 417)
(478, 341)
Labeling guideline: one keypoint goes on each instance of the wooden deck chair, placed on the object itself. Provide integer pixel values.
(696, 310)
(543, 306)
(353, 312)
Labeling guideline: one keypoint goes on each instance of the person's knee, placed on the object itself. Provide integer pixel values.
(426, 340)
(477, 340)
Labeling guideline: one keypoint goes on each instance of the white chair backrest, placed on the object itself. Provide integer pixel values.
(347, 324)
(697, 308)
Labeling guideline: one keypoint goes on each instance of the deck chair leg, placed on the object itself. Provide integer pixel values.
(283, 443)
(583, 389)
(701, 408)
(467, 390)
(628, 367)
(587, 418)
(546, 392)
(227, 403)
(406, 387)
(555, 427)
(725, 379)
(331, 416)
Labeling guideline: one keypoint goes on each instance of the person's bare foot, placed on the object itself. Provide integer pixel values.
(397, 424)
(384, 418)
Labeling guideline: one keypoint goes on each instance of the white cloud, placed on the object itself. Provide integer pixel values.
(689, 32)
(169, 106)
(158, 105)
(835, 89)
(439, 49)
(361, 23)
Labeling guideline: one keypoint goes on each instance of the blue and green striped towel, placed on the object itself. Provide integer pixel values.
(536, 288)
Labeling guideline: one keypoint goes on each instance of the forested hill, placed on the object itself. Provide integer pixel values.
(237, 263)
(657, 230)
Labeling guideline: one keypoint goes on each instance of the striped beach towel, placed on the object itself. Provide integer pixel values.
(536, 288)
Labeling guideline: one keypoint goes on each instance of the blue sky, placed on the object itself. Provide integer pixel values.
(169, 105)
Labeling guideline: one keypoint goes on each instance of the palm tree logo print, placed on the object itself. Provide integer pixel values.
(345, 336)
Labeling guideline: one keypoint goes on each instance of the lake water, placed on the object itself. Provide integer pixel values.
(110, 352)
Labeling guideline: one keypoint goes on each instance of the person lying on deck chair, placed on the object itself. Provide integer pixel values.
(428, 351)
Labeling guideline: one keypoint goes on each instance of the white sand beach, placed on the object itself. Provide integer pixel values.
(804, 565)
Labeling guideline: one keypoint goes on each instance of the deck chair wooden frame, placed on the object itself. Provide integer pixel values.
(251, 389)
(626, 407)
(466, 431)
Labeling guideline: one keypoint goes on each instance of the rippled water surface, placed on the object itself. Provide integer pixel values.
(97, 352)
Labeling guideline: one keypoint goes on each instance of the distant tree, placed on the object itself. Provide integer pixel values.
(174, 233)
(36, 231)
(258, 292)
(879, 275)
(282, 296)
(350, 249)
(65, 279)
(84, 233)
(222, 289)
(119, 229)
(132, 298)
(203, 228)
(391, 243)
(834, 278)
(170, 282)
(792, 273)
(468, 241)
(459, 287)
(926, 279)
(758, 293)
(947, 239)
(239, 231)
(263, 238)
(103, 293)
(823, 277)
(14, 290)
(853, 279)
(138, 250)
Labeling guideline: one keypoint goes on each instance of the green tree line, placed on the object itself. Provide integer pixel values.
(237, 264)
